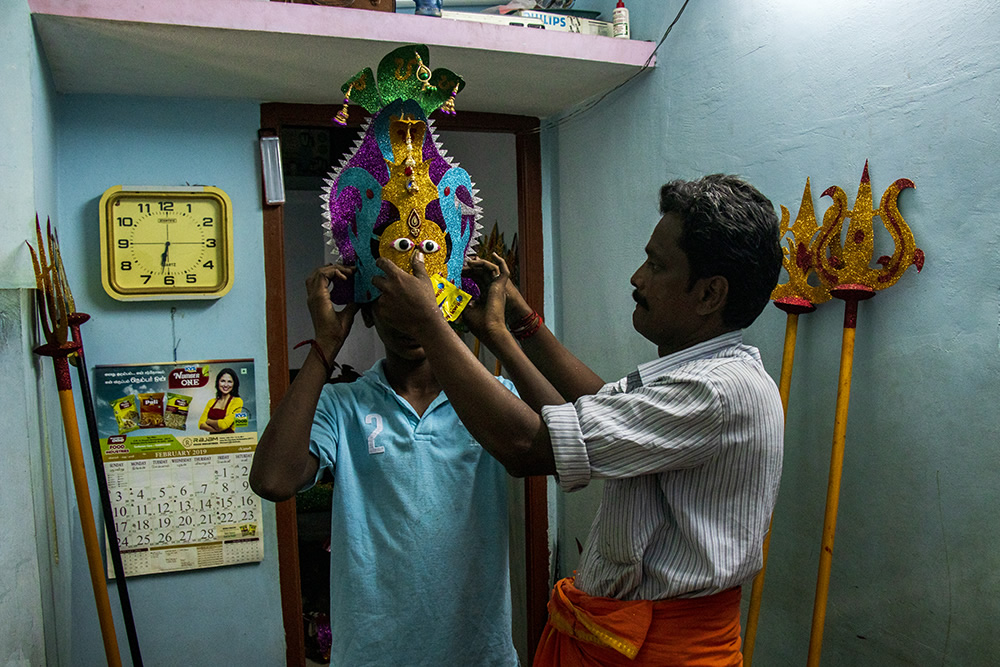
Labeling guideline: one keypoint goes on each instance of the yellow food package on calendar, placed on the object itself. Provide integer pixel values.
(176, 411)
(151, 410)
(126, 412)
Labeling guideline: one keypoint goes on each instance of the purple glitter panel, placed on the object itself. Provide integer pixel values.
(430, 150)
(344, 207)
(433, 213)
(465, 196)
(470, 286)
(439, 167)
(369, 158)
(342, 211)
(387, 215)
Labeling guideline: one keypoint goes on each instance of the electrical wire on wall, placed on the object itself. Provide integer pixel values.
(590, 105)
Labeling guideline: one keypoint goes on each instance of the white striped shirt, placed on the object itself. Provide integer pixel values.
(690, 445)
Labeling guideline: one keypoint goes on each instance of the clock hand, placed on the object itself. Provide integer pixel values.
(163, 257)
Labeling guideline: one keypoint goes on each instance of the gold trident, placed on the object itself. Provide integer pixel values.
(796, 297)
(851, 264)
(843, 269)
(845, 265)
(55, 308)
(51, 294)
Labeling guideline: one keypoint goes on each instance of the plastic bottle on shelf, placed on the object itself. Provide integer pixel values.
(619, 21)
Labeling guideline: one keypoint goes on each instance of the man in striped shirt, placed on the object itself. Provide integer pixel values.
(690, 443)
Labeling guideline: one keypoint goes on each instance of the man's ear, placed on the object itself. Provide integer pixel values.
(713, 296)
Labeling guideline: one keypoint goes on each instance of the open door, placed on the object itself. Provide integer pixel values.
(274, 117)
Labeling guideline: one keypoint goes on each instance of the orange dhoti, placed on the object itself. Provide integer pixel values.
(586, 631)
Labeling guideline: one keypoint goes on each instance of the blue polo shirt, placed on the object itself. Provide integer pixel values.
(419, 571)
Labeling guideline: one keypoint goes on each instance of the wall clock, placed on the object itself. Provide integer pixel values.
(160, 243)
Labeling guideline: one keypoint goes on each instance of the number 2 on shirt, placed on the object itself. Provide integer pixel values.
(377, 420)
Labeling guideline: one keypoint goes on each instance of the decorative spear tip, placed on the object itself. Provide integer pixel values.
(918, 259)
(864, 176)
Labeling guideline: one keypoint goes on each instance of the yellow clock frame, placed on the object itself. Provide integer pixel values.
(164, 243)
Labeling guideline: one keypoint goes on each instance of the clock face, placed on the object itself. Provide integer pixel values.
(166, 244)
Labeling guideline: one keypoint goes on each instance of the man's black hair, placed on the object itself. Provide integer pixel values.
(728, 229)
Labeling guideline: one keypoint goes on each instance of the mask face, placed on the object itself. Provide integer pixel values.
(397, 192)
(411, 191)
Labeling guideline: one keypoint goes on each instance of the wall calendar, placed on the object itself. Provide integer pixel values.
(177, 440)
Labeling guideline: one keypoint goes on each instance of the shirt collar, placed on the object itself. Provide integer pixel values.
(377, 375)
(651, 370)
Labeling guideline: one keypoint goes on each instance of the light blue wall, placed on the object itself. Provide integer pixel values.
(777, 91)
(26, 131)
(19, 80)
(227, 615)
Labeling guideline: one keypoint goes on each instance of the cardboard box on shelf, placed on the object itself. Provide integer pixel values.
(509, 19)
(566, 23)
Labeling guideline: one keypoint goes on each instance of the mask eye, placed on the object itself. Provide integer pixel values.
(403, 244)
(428, 246)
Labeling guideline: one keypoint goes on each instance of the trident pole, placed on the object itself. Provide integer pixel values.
(851, 295)
(52, 309)
(793, 307)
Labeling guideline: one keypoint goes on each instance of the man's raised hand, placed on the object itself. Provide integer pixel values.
(485, 315)
(407, 301)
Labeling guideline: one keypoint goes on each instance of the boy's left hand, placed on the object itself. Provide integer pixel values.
(407, 302)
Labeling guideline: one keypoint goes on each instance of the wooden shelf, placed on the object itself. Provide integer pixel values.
(282, 52)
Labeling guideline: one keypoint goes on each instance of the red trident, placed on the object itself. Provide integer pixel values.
(51, 298)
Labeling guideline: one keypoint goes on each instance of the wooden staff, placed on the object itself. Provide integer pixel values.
(51, 307)
(796, 297)
(851, 295)
(846, 262)
(793, 307)
(75, 319)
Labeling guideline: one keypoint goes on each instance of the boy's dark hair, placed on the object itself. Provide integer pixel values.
(728, 229)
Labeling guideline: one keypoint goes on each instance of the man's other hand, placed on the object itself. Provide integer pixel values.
(407, 302)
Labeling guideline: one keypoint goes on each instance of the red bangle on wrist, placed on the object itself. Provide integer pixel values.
(322, 357)
(527, 326)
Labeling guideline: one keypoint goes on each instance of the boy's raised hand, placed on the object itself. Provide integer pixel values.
(331, 325)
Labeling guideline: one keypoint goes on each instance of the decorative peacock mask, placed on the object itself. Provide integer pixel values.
(397, 192)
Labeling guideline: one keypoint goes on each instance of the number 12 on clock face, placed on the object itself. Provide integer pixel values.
(161, 243)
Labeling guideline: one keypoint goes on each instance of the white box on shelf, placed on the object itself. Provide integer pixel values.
(509, 19)
(568, 23)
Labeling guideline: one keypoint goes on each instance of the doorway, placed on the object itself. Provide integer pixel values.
(312, 125)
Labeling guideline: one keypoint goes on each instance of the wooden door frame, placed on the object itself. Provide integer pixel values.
(529, 233)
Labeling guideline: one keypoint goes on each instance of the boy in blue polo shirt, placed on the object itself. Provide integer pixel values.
(419, 566)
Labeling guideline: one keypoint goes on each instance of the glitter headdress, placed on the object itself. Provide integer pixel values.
(397, 191)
